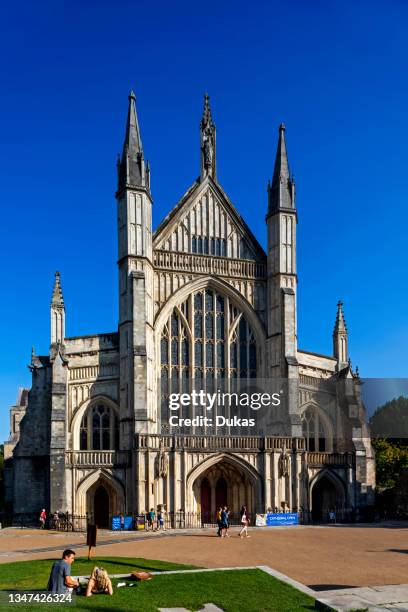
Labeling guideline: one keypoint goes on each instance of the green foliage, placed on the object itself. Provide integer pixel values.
(391, 419)
(232, 591)
(391, 459)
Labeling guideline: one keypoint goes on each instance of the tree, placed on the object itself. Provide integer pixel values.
(391, 459)
(391, 420)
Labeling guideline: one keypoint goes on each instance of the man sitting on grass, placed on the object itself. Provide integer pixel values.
(60, 578)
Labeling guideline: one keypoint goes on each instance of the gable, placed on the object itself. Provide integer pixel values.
(205, 222)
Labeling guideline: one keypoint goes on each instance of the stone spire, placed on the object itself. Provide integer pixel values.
(281, 194)
(207, 142)
(340, 337)
(57, 297)
(57, 312)
(132, 170)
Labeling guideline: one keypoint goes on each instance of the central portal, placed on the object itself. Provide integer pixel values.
(221, 497)
(223, 484)
(101, 507)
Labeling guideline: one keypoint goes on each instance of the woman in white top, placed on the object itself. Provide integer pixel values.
(244, 522)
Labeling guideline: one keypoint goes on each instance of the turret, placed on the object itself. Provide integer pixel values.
(134, 208)
(133, 171)
(281, 220)
(340, 338)
(281, 193)
(57, 313)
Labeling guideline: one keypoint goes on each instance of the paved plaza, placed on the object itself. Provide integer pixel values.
(320, 557)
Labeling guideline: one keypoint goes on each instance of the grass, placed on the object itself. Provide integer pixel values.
(24, 575)
(232, 591)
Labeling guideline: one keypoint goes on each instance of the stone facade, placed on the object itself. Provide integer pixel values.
(91, 439)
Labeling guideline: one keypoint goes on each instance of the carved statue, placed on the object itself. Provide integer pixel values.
(208, 150)
(162, 461)
(284, 464)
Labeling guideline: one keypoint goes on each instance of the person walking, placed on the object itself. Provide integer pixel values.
(160, 519)
(244, 522)
(219, 523)
(91, 531)
(43, 518)
(224, 522)
(151, 517)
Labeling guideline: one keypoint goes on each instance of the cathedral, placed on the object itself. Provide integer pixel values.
(200, 301)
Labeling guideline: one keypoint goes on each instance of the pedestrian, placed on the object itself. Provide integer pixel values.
(160, 519)
(224, 522)
(151, 517)
(43, 518)
(60, 580)
(244, 522)
(91, 531)
(219, 523)
(122, 522)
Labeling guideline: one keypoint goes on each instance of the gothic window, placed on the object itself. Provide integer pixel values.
(212, 341)
(99, 429)
(314, 430)
(209, 246)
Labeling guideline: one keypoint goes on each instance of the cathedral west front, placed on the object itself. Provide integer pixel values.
(200, 302)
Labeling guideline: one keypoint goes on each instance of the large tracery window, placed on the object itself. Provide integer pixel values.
(206, 338)
(99, 429)
(314, 430)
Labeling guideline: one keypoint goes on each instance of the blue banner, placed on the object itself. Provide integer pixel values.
(126, 523)
(282, 518)
(115, 523)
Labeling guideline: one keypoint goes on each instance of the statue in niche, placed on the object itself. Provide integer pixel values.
(284, 464)
(162, 461)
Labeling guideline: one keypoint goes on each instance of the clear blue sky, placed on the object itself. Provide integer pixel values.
(334, 72)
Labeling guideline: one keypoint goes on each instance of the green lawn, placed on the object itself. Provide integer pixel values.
(232, 591)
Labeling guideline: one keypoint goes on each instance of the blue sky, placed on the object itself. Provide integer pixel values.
(334, 72)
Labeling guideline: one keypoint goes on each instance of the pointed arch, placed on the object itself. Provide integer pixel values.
(333, 493)
(238, 463)
(225, 290)
(87, 486)
(75, 425)
(321, 420)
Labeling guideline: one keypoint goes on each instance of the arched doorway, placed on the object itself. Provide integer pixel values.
(221, 497)
(205, 499)
(225, 482)
(327, 495)
(101, 507)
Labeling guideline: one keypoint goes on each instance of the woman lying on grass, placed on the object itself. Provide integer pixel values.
(99, 582)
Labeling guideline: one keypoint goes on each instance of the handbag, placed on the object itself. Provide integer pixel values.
(141, 575)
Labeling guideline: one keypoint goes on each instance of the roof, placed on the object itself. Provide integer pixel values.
(187, 197)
